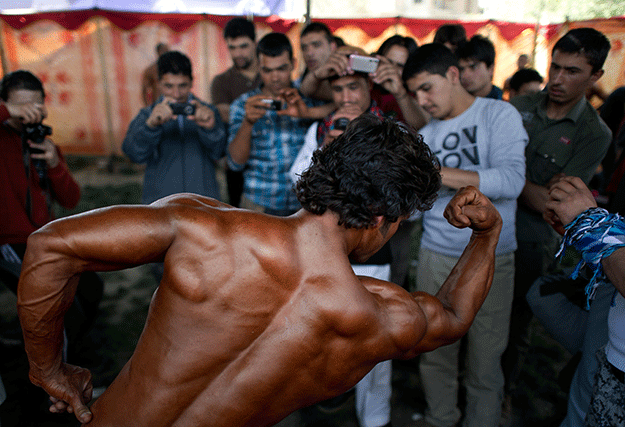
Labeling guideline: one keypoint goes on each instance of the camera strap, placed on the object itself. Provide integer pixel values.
(42, 175)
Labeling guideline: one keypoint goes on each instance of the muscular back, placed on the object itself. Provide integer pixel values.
(255, 317)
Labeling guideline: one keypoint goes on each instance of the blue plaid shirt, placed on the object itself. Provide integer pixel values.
(276, 140)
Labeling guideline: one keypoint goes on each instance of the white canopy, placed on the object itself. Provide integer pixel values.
(213, 7)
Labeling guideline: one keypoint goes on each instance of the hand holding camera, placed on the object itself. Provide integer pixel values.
(257, 106)
(161, 113)
(341, 119)
(40, 148)
(202, 115)
(388, 76)
(363, 64)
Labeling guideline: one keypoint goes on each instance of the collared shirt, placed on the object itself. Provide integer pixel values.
(573, 145)
(276, 140)
(495, 93)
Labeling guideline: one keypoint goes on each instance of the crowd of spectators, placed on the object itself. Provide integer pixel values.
(517, 145)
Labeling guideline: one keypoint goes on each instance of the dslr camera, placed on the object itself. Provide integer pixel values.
(182, 109)
(36, 133)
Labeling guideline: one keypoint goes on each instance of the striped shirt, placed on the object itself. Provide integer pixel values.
(276, 140)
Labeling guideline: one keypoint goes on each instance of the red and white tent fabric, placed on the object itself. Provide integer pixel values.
(91, 61)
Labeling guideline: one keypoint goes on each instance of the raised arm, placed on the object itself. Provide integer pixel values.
(105, 239)
(450, 313)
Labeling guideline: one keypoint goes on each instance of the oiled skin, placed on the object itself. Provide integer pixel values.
(255, 317)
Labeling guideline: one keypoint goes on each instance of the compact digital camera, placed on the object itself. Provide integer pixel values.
(363, 64)
(340, 123)
(182, 109)
(273, 104)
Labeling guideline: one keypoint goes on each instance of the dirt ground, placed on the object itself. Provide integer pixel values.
(122, 312)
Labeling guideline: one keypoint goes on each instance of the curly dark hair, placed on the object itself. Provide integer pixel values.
(377, 167)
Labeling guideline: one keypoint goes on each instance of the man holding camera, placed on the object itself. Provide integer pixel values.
(33, 171)
(263, 140)
(352, 95)
(33, 175)
(179, 137)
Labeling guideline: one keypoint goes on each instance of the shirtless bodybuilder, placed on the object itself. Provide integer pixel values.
(258, 316)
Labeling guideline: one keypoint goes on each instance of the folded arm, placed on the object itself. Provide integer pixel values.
(104, 239)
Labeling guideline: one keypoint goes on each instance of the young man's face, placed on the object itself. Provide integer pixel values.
(351, 90)
(176, 86)
(316, 49)
(570, 75)
(475, 76)
(242, 51)
(434, 93)
(375, 238)
(275, 72)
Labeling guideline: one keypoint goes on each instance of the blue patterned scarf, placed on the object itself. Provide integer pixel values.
(595, 233)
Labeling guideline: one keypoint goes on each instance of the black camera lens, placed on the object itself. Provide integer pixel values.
(36, 133)
(273, 104)
(182, 109)
(340, 123)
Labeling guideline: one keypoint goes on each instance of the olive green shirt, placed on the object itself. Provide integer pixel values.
(573, 145)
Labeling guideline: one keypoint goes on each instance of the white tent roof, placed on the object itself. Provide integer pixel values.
(214, 7)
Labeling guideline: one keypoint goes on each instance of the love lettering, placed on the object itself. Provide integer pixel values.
(459, 149)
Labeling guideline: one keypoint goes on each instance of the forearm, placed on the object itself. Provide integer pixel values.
(240, 147)
(468, 284)
(614, 268)
(45, 292)
(65, 189)
(534, 197)
(458, 178)
(224, 111)
(315, 88)
(320, 111)
(214, 139)
(414, 115)
(140, 139)
(450, 313)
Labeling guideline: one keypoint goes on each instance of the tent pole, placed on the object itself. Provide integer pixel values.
(307, 13)
(4, 63)
(105, 85)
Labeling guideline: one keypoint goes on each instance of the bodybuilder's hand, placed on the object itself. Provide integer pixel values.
(70, 390)
(470, 208)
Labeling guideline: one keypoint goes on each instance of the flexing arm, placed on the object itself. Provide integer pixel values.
(105, 239)
(450, 313)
